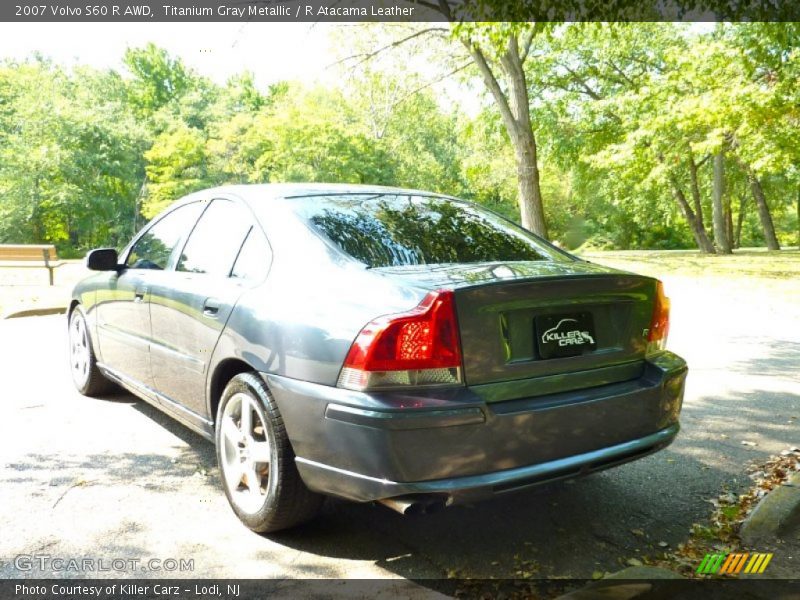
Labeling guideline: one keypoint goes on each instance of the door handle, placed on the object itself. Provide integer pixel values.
(138, 295)
(211, 307)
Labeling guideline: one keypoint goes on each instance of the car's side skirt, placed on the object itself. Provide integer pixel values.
(189, 418)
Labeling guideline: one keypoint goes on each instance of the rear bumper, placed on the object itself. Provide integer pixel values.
(477, 487)
(451, 443)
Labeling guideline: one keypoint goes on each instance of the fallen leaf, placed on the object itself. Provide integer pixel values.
(638, 532)
(634, 562)
(663, 544)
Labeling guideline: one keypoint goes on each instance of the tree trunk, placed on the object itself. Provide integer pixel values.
(718, 210)
(36, 220)
(695, 187)
(531, 207)
(763, 211)
(515, 110)
(798, 217)
(737, 239)
(729, 220)
(698, 231)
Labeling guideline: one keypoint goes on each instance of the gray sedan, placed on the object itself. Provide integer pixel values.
(376, 344)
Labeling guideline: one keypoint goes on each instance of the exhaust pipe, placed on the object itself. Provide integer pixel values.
(414, 505)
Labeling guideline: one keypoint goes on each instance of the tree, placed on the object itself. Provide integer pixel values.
(70, 159)
(659, 102)
(158, 79)
(176, 165)
(498, 51)
(607, 87)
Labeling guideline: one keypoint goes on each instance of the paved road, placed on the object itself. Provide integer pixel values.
(113, 478)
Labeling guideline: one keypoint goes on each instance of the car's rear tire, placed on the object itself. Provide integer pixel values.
(256, 459)
(83, 365)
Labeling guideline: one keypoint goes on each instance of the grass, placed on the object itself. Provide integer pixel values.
(745, 263)
(23, 289)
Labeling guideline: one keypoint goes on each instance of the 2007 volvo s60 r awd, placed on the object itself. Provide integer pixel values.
(375, 343)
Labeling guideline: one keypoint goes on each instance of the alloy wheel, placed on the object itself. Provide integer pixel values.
(245, 452)
(79, 351)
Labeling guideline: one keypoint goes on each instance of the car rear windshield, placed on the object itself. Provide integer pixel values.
(389, 230)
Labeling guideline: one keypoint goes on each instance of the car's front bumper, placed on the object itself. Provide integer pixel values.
(451, 443)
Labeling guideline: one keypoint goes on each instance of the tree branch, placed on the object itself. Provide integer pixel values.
(518, 87)
(432, 82)
(581, 82)
(491, 82)
(444, 8)
(526, 45)
(622, 73)
(429, 5)
(365, 56)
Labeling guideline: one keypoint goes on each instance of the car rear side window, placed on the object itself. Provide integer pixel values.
(396, 230)
(216, 239)
(154, 247)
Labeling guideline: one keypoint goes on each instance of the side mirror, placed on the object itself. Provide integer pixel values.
(102, 259)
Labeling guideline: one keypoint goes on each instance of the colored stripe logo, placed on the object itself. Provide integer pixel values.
(734, 563)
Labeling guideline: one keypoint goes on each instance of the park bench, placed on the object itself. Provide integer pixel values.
(29, 255)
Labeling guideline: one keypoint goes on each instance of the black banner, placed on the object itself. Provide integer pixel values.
(259, 589)
(396, 10)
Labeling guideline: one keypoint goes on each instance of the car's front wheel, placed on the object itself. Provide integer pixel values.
(256, 459)
(83, 365)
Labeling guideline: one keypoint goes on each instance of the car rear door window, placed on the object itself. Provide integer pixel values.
(216, 239)
(253, 261)
(155, 246)
(388, 230)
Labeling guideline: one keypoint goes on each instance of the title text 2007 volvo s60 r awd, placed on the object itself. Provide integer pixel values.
(379, 344)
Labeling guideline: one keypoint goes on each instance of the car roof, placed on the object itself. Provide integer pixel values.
(265, 191)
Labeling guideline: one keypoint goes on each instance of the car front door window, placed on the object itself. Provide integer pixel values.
(155, 246)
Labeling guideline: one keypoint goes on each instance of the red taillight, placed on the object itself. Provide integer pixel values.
(420, 347)
(659, 323)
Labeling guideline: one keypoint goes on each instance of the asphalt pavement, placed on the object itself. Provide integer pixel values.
(113, 478)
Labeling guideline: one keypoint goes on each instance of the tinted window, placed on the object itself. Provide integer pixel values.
(254, 257)
(153, 249)
(395, 230)
(215, 241)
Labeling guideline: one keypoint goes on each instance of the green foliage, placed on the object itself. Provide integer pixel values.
(622, 114)
(176, 166)
(631, 107)
(70, 157)
(157, 78)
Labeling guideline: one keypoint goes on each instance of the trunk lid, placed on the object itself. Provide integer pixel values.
(593, 320)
